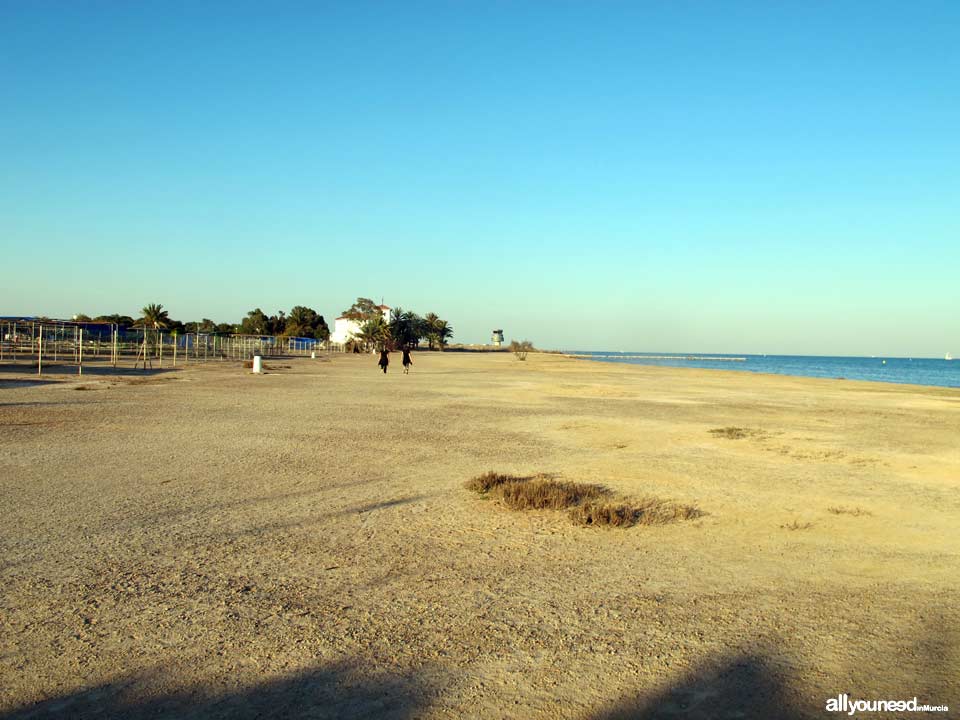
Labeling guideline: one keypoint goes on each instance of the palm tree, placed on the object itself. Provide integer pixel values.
(444, 331)
(374, 333)
(154, 316)
(405, 328)
(430, 321)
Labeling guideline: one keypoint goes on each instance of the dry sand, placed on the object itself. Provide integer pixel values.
(207, 543)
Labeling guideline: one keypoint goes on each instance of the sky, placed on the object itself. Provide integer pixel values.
(743, 177)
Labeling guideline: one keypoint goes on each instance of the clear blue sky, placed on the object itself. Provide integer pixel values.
(778, 177)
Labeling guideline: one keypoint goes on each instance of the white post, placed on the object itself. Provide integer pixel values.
(80, 354)
(257, 364)
(40, 353)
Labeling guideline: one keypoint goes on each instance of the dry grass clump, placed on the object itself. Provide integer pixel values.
(649, 511)
(545, 494)
(797, 525)
(588, 504)
(489, 480)
(734, 433)
(855, 512)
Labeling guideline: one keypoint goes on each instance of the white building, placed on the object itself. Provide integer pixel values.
(344, 329)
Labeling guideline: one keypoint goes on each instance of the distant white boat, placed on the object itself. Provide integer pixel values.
(948, 356)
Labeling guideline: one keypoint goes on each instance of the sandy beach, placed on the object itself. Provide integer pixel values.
(208, 543)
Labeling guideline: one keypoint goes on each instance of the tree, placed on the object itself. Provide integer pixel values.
(362, 310)
(444, 331)
(375, 333)
(405, 329)
(305, 322)
(153, 316)
(321, 331)
(255, 323)
(277, 324)
(80, 317)
(430, 321)
(436, 331)
(117, 319)
(301, 322)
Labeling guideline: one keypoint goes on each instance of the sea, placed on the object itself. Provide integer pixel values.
(912, 371)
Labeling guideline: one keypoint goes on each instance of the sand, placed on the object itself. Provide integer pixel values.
(207, 543)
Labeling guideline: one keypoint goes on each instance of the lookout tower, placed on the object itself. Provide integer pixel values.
(497, 338)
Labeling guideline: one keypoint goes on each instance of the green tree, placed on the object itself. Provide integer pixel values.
(362, 310)
(277, 324)
(153, 316)
(255, 323)
(80, 317)
(118, 319)
(436, 331)
(301, 322)
(321, 331)
(375, 333)
(405, 329)
(444, 331)
(430, 321)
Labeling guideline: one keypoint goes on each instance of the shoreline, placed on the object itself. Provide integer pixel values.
(736, 368)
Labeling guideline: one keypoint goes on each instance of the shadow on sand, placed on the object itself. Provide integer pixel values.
(58, 372)
(331, 692)
(742, 686)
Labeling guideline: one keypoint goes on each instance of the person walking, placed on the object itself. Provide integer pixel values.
(384, 360)
(407, 361)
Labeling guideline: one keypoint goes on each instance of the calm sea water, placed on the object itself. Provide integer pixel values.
(916, 371)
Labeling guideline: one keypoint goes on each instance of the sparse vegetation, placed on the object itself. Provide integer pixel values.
(520, 348)
(855, 511)
(649, 511)
(735, 433)
(545, 494)
(588, 504)
(489, 480)
(797, 525)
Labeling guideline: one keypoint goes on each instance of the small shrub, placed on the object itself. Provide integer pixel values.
(521, 348)
(489, 480)
(855, 512)
(649, 511)
(588, 504)
(736, 433)
(545, 494)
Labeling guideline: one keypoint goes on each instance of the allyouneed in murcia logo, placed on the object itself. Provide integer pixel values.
(843, 704)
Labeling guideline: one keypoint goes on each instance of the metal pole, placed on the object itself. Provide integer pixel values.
(40, 353)
(80, 354)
